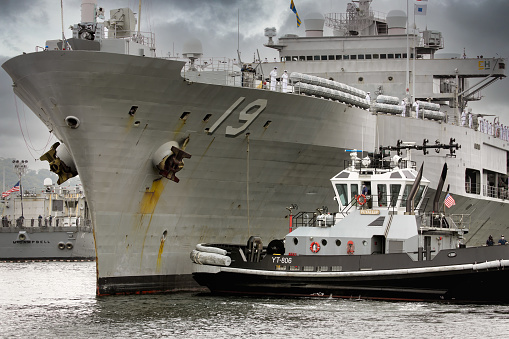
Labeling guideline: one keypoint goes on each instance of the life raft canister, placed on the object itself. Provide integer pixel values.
(361, 199)
(315, 247)
(350, 247)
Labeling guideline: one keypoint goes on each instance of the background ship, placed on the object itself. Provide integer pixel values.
(56, 225)
(129, 120)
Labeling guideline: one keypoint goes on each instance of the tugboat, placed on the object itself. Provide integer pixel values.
(380, 245)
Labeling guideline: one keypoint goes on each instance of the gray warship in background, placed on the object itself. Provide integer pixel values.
(174, 153)
(50, 225)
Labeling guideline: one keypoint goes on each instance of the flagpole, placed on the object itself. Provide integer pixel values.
(21, 167)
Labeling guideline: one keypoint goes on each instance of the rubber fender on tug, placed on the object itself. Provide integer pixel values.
(207, 258)
(169, 159)
(60, 162)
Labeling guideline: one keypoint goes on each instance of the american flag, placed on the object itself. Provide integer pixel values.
(449, 201)
(13, 189)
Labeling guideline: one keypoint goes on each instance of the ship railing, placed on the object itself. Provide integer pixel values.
(63, 221)
(495, 192)
(313, 219)
(472, 188)
(143, 38)
(450, 221)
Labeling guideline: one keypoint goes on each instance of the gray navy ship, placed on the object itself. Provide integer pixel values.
(173, 153)
(50, 225)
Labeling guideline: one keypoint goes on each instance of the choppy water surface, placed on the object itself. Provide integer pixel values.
(57, 299)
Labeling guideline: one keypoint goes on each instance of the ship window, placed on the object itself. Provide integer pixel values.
(342, 193)
(294, 58)
(346, 57)
(404, 55)
(308, 268)
(354, 190)
(338, 242)
(302, 58)
(390, 56)
(294, 268)
(395, 188)
(316, 57)
(360, 57)
(383, 56)
(336, 268)
(331, 57)
(501, 65)
(324, 57)
(375, 56)
(322, 268)
(339, 57)
(324, 242)
(418, 195)
(309, 58)
(295, 241)
(288, 58)
(406, 193)
(280, 268)
(398, 55)
(382, 194)
(472, 179)
(368, 56)
(353, 57)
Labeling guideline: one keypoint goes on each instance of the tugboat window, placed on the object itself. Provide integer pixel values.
(343, 193)
(419, 195)
(324, 242)
(395, 188)
(406, 192)
(354, 190)
(382, 195)
(338, 57)
(295, 241)
(338, 242)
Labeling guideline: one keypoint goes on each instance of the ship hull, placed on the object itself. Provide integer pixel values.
(254, 152)
(46, 243)
(453, 275)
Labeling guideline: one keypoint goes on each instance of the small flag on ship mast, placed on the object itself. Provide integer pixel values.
(292, 7)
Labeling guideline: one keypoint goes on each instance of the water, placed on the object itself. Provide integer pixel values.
(57, 299)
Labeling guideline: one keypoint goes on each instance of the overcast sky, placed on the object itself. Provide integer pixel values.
(479, 26)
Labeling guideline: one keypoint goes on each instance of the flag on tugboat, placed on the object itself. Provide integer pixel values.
(15, 188)
(449, 201)
(292, 7)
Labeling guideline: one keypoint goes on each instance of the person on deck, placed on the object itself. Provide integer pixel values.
(490, 241)
(502, 241)
(273, 76)
(285, 81)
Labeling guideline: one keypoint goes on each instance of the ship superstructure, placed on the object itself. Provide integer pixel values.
(174, 153)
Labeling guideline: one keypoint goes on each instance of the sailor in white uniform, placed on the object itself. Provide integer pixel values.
(273, 76)
(416, 107)
(463, 118)
(403, 103)
(285, 81)
(470, 119)
(368, 98)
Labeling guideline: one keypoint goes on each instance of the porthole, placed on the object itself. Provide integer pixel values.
(72, 121)
(365, 243)
(390, 78)
(136, 123)
(338, 242)
(361, 79)
(295, 241)
(324, 242)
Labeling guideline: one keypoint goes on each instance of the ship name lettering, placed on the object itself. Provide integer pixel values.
(281, 260)
(244, 116)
